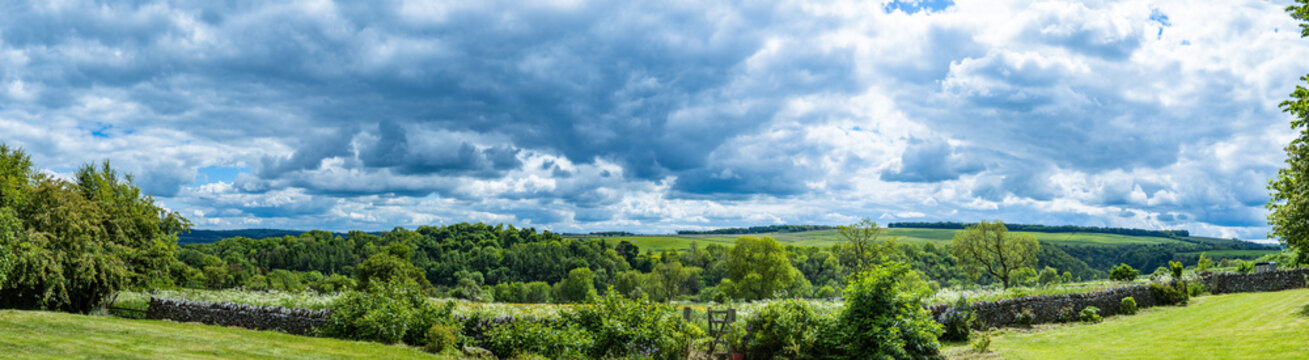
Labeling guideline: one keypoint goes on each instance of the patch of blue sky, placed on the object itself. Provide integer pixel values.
(213, 174)
(915, 6)
(1159, 17)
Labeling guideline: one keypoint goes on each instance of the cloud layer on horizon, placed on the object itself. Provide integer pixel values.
(652, 116)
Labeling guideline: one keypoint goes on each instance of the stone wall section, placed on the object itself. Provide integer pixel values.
(291, 321)
(1000, 313)
(1227, 283)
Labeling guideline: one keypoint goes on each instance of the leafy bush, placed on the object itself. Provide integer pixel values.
(625, 327)
(1167, 294)
(1090, 314)
(1196, 288)
(578, 287)
(1202, 265)
(983, 343)
(790, 328)
(1025, 317)
(884, 316)
(1245, 267)
(957, 321)
(1068, 314)
(519, 338)
(1176, 268)
(388, 312)
(1123, 272)
(1127, 306)
(440, 337)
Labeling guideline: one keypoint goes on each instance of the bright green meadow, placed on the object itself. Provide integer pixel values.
(50, 335)
(1267, 325)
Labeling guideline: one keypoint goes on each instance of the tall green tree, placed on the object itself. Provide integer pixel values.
(868, 242)
(988, 247)
(1289, 202)
(757, 268)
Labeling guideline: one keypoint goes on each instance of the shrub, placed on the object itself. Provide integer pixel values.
(519, 338)
(1068, 314)
(1167, 294)
(625, 327)
(1127, 306)
(1202, 265)
(789, 328)
(440, 337)
(388, 312)
(1090, 314)
(1123, 272)
(983, 343)
(578, 287)
(1245, 267)
(884, 318)
(957, 321)
(1176, 268)
(1025, 317)
(1196, 288)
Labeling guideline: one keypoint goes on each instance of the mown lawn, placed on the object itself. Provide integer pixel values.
(1237, 326)
(49, 335)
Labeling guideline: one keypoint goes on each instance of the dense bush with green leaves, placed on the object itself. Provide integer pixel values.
(1166, 294)
(884, 316)
(789, 328)
(1245, 267)
(1067, 313)
(1196, 288)
(1176, 269)
(441, 336)
(957, 321)
(1123, 272)
(625, 327)
(70, 245)
(1127, 306)
(1090, 314)
(1025, 317)
(522, 338)
(389, 312)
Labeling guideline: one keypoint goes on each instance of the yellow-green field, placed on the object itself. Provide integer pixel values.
(50, 335)
(1267, 325)
(911, 235)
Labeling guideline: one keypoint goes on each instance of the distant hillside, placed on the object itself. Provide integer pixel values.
(1049, 229)
(209, 236)
(757, 230)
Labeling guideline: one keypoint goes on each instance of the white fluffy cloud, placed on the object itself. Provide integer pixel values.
(657, 116)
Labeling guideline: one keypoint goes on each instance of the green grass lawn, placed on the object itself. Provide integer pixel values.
(49, 335)
(1237, 326)
(911, 235)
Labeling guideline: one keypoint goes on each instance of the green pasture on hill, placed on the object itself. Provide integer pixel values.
(911, 235)
(50, 335)
(1232, 254)
(1267, 325)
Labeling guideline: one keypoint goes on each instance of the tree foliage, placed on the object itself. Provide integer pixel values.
(866, 239)
(1289, 203)
(70, 245)
(989, 247)
(757, 268)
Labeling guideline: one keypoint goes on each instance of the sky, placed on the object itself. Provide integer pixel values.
(655, 116)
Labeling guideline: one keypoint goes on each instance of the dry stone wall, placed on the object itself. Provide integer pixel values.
(1001, 313)
(1256, 282)
(291, 321)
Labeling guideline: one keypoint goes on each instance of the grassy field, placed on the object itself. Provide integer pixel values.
(1239, 326)
(48, 335)
(1232, 254)
(912, 235)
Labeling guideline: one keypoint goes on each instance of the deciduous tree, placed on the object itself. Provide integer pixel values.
(989, 247)
(1289, 204)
